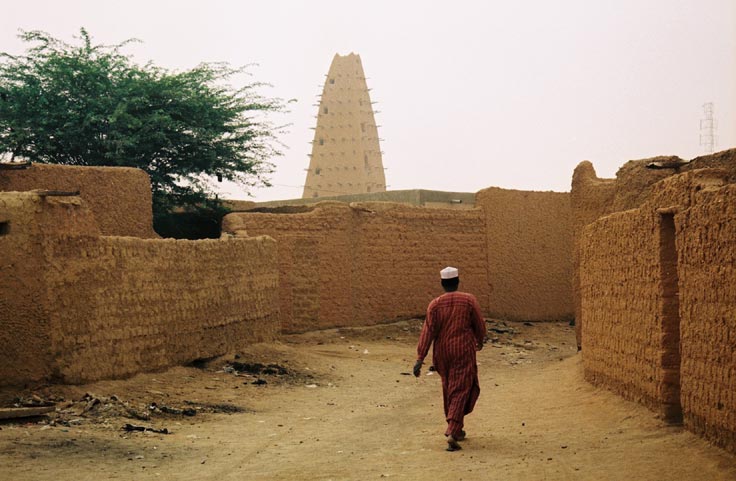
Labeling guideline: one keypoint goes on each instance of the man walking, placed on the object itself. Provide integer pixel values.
(457, 329)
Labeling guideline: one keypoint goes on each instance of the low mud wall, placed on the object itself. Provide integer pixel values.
(344, 265)
(118, 197)
(315, 263)
(399, 252)
(76, 306)
(529, 248)
(362, 263)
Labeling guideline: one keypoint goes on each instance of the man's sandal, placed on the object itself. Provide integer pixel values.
(452, 444)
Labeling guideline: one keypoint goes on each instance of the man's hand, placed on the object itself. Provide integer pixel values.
(417, 368)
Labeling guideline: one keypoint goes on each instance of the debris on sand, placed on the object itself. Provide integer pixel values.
(501, 328)
(101, 409)
(216, 407)
(25, 412)
(169, 410)
(255, 368)
(28, 406)
(132, 427)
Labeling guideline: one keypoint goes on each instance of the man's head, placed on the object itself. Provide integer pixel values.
(450, 279)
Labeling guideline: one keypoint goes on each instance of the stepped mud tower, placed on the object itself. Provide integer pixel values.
(346, 156)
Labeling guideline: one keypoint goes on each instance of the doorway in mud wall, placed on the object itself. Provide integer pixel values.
(670, 315)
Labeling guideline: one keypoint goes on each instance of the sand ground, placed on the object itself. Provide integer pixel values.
(345, 408)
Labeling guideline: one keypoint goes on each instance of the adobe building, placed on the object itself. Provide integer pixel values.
(655, 287)
(88, 291)
(346, 155)
(513, 249)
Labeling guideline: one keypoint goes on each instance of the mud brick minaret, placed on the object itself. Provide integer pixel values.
(346, 156)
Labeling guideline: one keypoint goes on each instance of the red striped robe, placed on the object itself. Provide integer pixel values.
(455, 325)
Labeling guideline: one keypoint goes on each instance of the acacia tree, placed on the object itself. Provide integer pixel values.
(87, 104)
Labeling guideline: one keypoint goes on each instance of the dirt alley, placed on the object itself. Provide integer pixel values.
(341, 405)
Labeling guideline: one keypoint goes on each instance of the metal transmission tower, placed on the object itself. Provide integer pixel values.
(708, 128)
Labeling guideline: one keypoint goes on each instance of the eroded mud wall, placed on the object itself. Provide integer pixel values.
(635, 182)
(707, 273)
(658, 302)
(143, 305)
(372, 262)
(529, 244)
(620, 292)
(315, 262)
(25, 221)
(590, 198)
(634, 185)
(78, 307)
(119, 197)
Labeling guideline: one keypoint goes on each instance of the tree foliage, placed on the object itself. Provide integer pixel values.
(86, 104)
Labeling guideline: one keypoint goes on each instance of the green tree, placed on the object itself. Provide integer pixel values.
(89, 104)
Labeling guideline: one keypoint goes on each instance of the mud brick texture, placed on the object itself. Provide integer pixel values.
(529, 249)
(619, 287)
(588, 197)
(119, 197)
(400, 251)
(707, 273)
(658, 301)
(344, 265)
(592, 197)
(76, 306)
(363, 263)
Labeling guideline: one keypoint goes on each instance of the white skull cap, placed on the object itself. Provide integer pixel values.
(448, 273)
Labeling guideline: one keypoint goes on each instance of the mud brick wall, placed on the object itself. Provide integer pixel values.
(629, 293)
(634, 185)
(707, 274)
(78, 307)
(399, 251)
(724, 160)
(119, 197)
(620, 290)
(315, 262)
(590, 197)
(148, 304)
(364, 263)
(24, 220)
(372, 262)
(529, 244)
(658, 298)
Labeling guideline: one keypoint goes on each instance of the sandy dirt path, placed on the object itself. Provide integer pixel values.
(348, 411)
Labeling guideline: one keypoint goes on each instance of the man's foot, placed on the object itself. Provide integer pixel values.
(452, 444)
(461, 436)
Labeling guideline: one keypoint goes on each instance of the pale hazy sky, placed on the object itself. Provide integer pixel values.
(471, 94)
